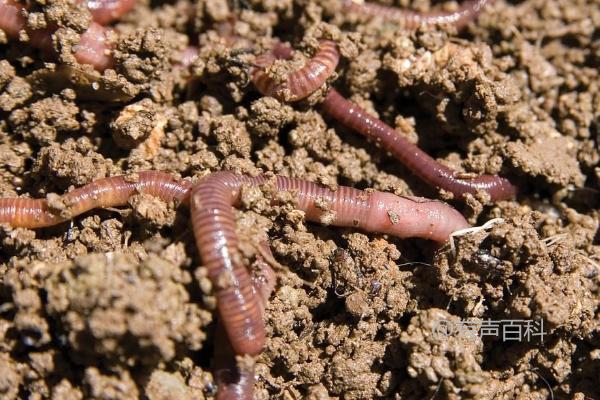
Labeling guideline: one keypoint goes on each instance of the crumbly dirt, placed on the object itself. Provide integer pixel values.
(116, 304)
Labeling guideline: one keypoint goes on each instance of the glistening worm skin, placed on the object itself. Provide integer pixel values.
(107, 192)
(412, 20)
(213, 223)
(419, 162)
(93, 47)
(214, 228)
(107, 11)
(300, 83)
(237, 383)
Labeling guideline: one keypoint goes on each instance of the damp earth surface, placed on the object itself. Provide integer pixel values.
(116, 304)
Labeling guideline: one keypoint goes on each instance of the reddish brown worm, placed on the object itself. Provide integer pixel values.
(412, 20)
(415, 159)
(298, 84)
(93, 47)
(237, 383)
(107, 192)
(354, 117)
(214, 228)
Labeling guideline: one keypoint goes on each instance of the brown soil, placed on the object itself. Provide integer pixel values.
(114, 306)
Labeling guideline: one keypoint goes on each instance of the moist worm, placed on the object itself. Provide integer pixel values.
(415, 159)
(412, 20)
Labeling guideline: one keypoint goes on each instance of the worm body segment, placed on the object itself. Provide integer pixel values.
(412, 20)
(300, 83)
(107, 192)
(93, 47)
(235, 382)
(419, 162)
(107, 11)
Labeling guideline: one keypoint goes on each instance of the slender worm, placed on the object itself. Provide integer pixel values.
(214, 226)
(354, 117)
(237, 383)
(415, 159)
(298, 84)
(412, 20)
(107, 192)
(93, 47)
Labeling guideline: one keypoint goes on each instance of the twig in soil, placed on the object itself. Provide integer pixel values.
(534, 370)
(468, 231)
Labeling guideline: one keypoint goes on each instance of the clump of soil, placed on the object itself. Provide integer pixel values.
(116, 304)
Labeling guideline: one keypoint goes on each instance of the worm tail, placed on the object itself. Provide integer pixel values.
(415, 159)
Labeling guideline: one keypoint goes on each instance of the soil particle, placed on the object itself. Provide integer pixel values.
(93, 287)
(14, 90)
(106, 306)
(43, 120)
(72, 163)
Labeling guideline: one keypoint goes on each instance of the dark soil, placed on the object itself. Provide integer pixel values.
(115, 306)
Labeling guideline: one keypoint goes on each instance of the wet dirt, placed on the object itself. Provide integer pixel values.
(116, 305)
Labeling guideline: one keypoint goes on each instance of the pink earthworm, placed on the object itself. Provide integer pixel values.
(107, 192)
(214, 228)
(235, 382)
(298, 84)
(412, 20)
(93, 47)
(419, 162)
(415, 159)
(211, 201)
(107, 11)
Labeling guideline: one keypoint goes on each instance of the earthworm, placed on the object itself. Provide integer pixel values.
(359, 120)
(93, 47)
(298, 84)
(106, 192)
(237, 383)
(214, 228)
(107, 11)
(415, 159)
(412, 20)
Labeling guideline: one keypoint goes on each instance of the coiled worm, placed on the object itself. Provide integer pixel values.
(298, 84)
(354, 117)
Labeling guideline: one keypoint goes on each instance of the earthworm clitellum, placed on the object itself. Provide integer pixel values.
(314, 74)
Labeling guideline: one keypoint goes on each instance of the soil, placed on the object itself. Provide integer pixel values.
(116, 305)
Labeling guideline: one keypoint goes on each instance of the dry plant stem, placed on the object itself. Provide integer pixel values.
(93, 47)
(300, 83)
(214, 228)
(235, 382)
(107, 192)
(415, 159)
(412, 20)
